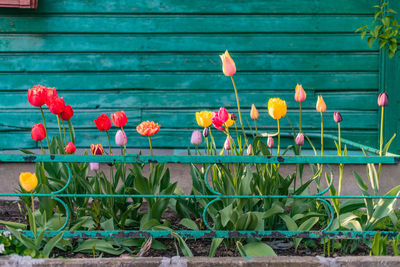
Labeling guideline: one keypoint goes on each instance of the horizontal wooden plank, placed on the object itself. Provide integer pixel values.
(192, 81)
(336, 101)
(83, 119)
(181, 42)
(23, 120)
(166, 138)
(311, 119)
(182, 23)
(207, 6)
(36, 62)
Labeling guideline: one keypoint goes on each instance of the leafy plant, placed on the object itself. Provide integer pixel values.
(384, 29)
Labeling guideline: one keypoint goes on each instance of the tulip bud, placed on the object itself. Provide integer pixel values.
(300, 139)
(337, 117)
(270, 142)
(205, 132)
(250, 150)
(300, 95)
(233, 117)
(254, 112)
(94, 166)
(70, 148)
(110, 163)
(227, 144)
(321, 106)
(383, 100)
(196, 138)
(228, 65)
(120, 138)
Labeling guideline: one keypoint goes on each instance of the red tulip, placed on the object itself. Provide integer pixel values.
(148, 128)
(37, 95)
(119, 119)
(38, 133)
(51, 93)
(67, 114)
(57, 105)
(103, 122)
(70, 148)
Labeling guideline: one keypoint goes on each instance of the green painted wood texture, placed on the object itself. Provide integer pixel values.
(158, 60)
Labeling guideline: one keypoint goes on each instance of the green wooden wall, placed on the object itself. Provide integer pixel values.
(158, 60)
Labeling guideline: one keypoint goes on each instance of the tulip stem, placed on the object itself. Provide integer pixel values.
(45, 128)
(41, 147)
(255, 123)
(339, 140)
(212, 142)
(300, 119)
(59, 128)
(322, 134)
(33, 216)
(237, 137)
(65, 136)
(238, 106)
(381, 143)
(109, 142)
(279, 138)
(151, 146)
(70, 132)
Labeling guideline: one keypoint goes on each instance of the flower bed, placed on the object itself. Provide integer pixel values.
(239, 198)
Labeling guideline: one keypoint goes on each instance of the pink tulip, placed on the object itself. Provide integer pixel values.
(300, 139)
(270, 142)
(227, 144)
(337, 117)
(228, 65)
(300, 95)
(250, 150)
(383, 99)
(94, 166)
(120, 138)
(219, 118)
(196, 138)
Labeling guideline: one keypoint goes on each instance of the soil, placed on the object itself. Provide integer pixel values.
(9, 211)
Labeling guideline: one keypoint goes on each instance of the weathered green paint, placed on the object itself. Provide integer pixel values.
(204, 61)
(181, 23)
(158, 60)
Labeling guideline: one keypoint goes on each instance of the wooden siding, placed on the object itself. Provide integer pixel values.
(158, 60)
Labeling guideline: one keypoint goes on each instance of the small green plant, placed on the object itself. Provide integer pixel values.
(379, 245)
(384, 29)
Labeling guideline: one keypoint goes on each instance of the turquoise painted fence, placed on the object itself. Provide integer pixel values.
(158, 60)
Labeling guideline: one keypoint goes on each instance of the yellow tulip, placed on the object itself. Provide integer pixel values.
(203, 118)
(229, 122)
(277, 108)
(28, 181)
(321, 106)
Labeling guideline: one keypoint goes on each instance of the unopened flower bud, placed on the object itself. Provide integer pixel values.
(233, 117)
(300, 139)
(196, 138)
(254, 112)
(250, 150)
(383, 99)
(227, 144)
(270, 142)
(337, 117)
(205, 132)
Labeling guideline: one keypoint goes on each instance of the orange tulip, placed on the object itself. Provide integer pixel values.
(321, 106)
(228, 65)
(148, 128)
(254, 112)
(300, 95)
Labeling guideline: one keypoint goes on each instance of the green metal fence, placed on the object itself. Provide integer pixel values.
(215, 196)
